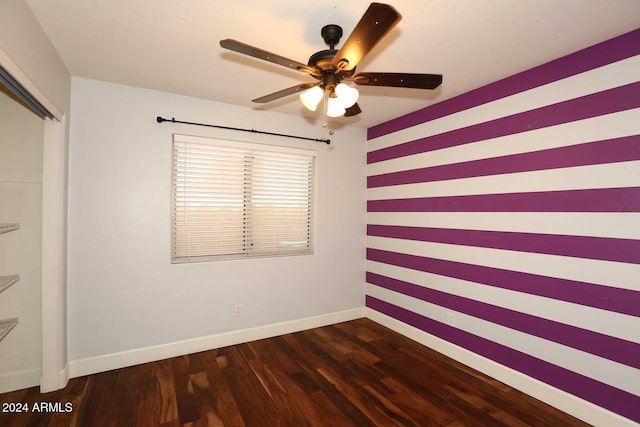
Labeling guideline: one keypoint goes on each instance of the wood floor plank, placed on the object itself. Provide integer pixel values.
(82, 401)
(167, 394)
(130, 382)
(306, 392)
(16, 415)
(252, 401)
(100, 409)
(208, 414)
(187, 409)
(358, 363)
(355, 373)
(222, 401)
(313, 362)
(148, 402)
(418, 405)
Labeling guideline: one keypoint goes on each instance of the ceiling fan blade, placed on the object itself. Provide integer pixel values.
(354, 110)
(376, 22)
(284, 92)
(416, 81)
(246, 49)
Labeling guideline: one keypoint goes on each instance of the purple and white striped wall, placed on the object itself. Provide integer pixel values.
(515, 210)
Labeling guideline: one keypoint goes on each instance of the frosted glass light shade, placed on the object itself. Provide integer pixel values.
(347, 96)
(335, 108)
(311, 98)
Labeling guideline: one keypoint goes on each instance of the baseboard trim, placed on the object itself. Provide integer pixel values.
(19, 380)
(63, 376)
(562, 400)
(107, 362)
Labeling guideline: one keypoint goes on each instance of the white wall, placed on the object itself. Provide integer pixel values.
(20, 251)
(124, 294)
(24, 41)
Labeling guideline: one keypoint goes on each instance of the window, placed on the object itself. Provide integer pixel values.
(236, 200)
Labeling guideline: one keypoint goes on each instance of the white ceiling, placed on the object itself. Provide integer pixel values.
(173, 45)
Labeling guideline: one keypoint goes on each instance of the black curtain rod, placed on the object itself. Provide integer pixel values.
(173, 120)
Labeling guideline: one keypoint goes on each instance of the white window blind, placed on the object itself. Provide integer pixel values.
(234, 200)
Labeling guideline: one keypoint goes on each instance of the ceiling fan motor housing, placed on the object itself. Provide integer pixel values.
(322, 58)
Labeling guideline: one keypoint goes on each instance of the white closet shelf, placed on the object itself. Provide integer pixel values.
(7, 227)
(7, 281)
(6, 326)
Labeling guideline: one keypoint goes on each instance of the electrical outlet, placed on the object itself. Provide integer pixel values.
(237, 310)
(451, 319)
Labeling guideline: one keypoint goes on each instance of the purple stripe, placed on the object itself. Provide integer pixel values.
(606, 396)
(612, 348)
(593, 153)
(590, 200)
(619, 48)
(602, 248)
(609, 298)
(597, 104)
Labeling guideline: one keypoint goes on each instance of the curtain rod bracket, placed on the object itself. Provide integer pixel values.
(160, 119)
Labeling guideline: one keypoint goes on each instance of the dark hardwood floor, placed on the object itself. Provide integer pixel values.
(355, 373)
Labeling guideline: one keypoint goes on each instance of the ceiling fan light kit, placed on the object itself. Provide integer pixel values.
(335, 108)
(333, 67)
(338, 100)
(312, 97)
(346, 94)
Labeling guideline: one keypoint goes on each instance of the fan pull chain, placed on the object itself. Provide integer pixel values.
(325, 119)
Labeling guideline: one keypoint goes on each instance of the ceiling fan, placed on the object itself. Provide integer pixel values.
(332, 67)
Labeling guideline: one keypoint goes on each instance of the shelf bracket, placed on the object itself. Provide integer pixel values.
(6, 326)
(7, 281)
(5, 228)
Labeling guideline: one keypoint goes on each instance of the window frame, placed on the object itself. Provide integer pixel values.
(249, 147)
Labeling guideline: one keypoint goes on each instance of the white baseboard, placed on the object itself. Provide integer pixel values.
(57, 382)
(19, 380)
(63, 376)
(107, 362)
(562, 400)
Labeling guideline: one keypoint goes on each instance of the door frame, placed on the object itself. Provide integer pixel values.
(55, 364)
